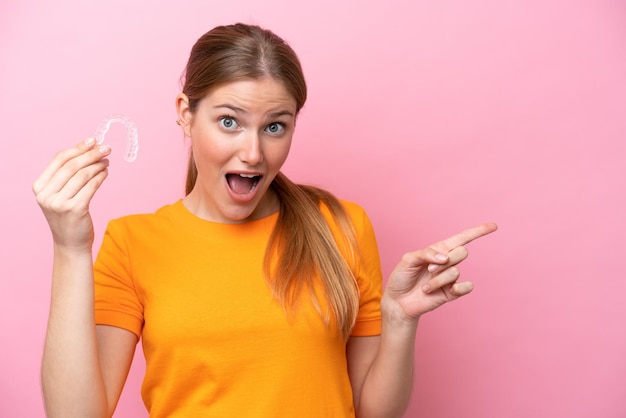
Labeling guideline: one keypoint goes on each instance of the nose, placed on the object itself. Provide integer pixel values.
(251, 150)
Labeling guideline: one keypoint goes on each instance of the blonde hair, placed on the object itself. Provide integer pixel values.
(307, 249)
(302, 255)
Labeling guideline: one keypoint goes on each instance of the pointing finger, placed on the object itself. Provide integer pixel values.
(465, 237)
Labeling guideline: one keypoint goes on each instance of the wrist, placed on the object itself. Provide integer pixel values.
(72, 252)
(394, 316)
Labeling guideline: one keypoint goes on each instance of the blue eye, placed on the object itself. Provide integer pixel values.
(275, 128)
(228, 123)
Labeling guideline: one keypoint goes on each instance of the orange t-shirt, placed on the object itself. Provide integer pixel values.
(215, 340)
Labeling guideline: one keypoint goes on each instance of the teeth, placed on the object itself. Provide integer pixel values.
(249, 176)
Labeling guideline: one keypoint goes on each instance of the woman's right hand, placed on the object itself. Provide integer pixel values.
(64, 191)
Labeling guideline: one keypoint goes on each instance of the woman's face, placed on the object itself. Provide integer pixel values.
(240, 136)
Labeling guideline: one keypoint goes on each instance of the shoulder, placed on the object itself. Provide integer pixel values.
(142, 221)
(350, 214)
(353, 209)
(355, 212)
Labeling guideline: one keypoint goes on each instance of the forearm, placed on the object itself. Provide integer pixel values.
(71, 377)
(387, 387)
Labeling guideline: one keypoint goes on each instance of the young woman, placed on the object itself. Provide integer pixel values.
(253, 296)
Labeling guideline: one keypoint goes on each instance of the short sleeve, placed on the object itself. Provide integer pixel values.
(369, 278)
(116, 300)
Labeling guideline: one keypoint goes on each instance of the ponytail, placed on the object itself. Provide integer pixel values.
(309, 254)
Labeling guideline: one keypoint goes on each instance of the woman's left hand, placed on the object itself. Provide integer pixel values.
(425, 279)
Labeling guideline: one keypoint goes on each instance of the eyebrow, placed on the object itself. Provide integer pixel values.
(240, 110)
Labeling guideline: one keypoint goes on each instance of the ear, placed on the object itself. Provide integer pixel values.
(184, 113)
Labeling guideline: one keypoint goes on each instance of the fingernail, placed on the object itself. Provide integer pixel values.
(441, 257)
(432, 267)
(104, 149)
(426, 288)
(90, 141)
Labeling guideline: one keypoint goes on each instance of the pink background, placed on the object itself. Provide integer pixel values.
(432, 115)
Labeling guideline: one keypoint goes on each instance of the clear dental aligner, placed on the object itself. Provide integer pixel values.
(132, 142)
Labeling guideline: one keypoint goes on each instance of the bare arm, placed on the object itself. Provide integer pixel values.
(84, 368)
(381, 370)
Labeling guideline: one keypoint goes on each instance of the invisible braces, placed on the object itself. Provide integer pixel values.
(132, 143)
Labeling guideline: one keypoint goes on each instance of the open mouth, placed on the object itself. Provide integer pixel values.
(242, 183)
